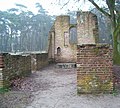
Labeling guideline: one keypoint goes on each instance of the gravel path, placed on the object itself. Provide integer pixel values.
(54, 88)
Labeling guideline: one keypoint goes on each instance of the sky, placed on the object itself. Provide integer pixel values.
(54, 7)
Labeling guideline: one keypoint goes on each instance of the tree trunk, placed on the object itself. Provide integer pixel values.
(116, 55)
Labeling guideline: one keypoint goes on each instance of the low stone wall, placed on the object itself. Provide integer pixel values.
(94, 68)
(13, 66)
(42, 60)
(21, 65)
(39, 61)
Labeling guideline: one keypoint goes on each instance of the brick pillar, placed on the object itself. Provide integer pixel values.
(94, 68)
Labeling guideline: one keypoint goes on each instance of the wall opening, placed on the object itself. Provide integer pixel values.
(58, 51)
(66, 38)
(73, 35)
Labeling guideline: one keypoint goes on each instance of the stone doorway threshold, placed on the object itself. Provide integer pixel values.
(65, 65)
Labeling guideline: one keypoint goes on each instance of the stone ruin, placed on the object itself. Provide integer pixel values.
(61, 49)
(93, 60)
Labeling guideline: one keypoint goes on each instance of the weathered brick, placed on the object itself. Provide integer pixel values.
(94, 71)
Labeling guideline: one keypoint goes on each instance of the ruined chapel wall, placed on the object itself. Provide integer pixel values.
(87, 33)
(87, 28)
(68, 51)
(61, 26)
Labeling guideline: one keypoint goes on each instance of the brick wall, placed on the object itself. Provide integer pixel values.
(13, 66)
(94, 68)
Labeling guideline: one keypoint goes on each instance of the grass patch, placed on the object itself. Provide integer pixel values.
(4, 90)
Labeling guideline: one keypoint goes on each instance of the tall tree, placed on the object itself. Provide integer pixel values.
(113, 14)
(21, 30)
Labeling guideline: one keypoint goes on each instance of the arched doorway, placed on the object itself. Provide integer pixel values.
(58, 51)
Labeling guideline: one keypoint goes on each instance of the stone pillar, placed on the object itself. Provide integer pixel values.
(53, 44)
(94, 68)
(87, 28)
(51, 50)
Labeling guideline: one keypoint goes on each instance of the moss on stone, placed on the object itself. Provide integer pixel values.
(92, 83)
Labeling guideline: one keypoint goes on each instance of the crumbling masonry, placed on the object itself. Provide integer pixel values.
(60, 47)
(94, 62)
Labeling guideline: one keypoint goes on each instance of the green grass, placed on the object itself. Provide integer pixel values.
(3, 90)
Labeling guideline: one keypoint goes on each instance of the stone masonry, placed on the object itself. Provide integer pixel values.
(41, 60)
(13, 66)
(94, 61)
(94, 68)
(60, 49)
(59, 38)
(87, 28)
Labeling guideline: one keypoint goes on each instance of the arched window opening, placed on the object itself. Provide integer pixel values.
(73, 35)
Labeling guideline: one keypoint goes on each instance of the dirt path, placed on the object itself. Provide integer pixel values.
(55, 88)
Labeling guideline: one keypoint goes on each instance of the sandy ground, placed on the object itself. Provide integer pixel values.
(54, 88)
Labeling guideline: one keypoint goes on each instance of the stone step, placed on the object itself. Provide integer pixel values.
(65, 65)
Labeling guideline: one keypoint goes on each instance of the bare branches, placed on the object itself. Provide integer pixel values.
(65, 4)
(75, 1)
(100, 9)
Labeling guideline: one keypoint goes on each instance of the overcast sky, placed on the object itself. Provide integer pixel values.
(54, 7)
